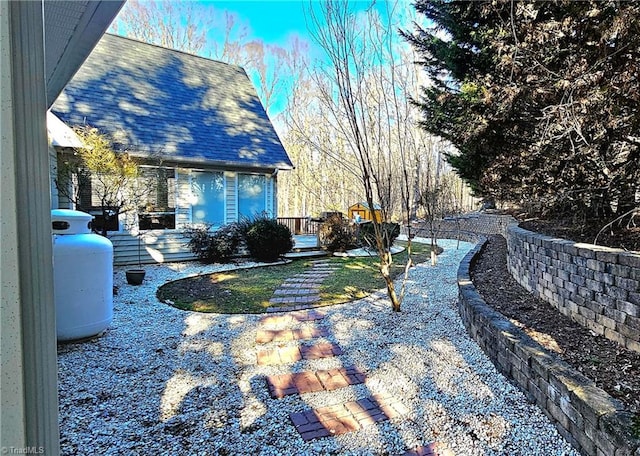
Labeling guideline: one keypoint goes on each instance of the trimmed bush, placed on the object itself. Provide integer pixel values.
(267, 239)
(337, 235)
(214, 247)
(367, 235)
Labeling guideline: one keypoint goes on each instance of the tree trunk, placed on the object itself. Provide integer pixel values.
(385, 266)
(434, 247)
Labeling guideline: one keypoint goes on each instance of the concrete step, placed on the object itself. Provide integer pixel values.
(305, 254)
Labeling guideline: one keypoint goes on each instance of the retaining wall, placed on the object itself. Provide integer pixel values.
(598, 287)
(585, 415)
(466, 236)
(475, 222)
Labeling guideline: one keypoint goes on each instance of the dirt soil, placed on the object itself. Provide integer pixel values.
(611, 367)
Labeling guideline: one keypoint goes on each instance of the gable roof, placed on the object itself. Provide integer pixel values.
(376, 206)
(177, 106)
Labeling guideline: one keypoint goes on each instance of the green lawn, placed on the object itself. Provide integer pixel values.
(249, 290)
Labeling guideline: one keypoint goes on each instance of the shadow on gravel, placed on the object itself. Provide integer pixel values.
(281, 412)
(162, 381)
(159, 381)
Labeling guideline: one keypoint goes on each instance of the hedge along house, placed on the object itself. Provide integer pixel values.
(207, 146)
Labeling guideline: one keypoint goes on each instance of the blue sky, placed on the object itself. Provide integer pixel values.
(272, 21)
(275, 21)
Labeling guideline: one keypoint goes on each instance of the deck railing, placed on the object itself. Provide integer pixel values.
(300, 225)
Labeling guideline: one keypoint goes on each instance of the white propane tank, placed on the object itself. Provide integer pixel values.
(82, 276)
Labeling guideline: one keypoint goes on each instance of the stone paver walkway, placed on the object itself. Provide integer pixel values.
(302, 290)
(334, 419)
(265, 336)
(312, 382)
(270, 321)
(289, 355)
(348, 417)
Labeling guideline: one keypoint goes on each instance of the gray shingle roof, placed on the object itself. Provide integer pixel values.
(185, 108)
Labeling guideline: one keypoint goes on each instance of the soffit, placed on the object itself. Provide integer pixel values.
(72, 29)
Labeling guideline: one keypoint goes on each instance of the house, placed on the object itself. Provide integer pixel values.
(364, 212)
(209, 151)
(42, 44)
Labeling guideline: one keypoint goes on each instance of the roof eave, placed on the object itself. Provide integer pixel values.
(74, 43)
(203, 162)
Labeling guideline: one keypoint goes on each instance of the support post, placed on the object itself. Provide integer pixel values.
(29, 415)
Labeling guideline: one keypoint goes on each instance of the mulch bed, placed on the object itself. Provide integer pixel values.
(626, 236)
(612, 368)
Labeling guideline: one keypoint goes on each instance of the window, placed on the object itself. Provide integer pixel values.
(157, 209)
(208, 202)
(107, 197)
(251, 195)
(91, 190)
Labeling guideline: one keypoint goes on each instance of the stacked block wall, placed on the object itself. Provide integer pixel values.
(598, 287)
(590, 419)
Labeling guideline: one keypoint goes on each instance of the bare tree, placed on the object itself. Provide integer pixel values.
(432, 203)
(174, 25)
(363, 104)
(440, 191)
(325, 177)
(232, 44)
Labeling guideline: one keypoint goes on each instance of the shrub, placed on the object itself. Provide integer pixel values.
(217, 246)
(266, 239)
(367, 235)
(336, 235)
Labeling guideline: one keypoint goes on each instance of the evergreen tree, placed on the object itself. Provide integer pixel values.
(539, 97)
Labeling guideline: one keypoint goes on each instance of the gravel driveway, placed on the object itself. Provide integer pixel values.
(166, 381)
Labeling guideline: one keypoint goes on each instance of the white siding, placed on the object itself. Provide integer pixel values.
(270, 202)
(156, 246)
(231, 197)
(183, 197)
